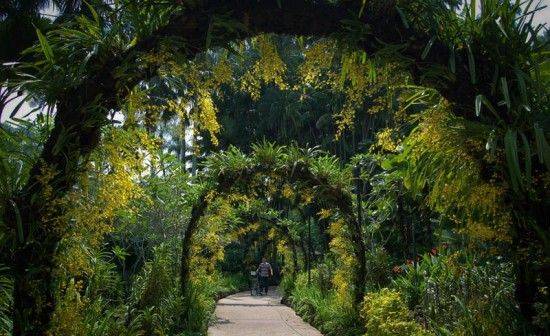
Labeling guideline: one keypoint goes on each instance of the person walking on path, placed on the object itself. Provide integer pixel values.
(265, 271)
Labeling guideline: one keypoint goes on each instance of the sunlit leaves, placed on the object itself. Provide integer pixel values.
(46, 48)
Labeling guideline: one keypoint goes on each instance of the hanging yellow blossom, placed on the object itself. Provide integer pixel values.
(269, 68)
(385, 140)
(324, 213)
(207, 117)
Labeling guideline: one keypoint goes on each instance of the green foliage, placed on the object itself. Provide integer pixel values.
(203, 293)
(19, 147)
(461, 293)
(324, 310)
(286, 286)
(386, 314)
(6, 300)
(378, 267)
(158, 276)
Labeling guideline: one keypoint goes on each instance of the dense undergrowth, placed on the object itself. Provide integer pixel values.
(448, 293)
(152, 304)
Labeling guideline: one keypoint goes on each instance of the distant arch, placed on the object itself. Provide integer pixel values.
(297, 171)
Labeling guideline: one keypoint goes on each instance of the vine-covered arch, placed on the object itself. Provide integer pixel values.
(285, 165)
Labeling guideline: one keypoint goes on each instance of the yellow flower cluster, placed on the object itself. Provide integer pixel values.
(324, 213)
(68, 318)
(222, 73)
(384, 140)
(287, 191)
(386, 313)
(255, 226)
(341, 247)
(307, 196)
(113, 170)
(269, 68)
(318, 59)
(207, 117)
(455, 181)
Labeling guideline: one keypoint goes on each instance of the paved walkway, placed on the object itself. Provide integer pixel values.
(245, 315)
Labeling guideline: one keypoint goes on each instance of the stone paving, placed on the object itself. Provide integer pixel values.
(245, 315)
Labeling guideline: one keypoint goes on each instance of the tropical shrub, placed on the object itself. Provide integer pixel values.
(324, 310)
(461, 293)
(386, 314)
(157, 277)
(378, 266)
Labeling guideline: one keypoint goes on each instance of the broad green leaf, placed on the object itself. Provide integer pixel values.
(17, 107)
(19, 222)
(543, 148)
(521, 83)
(500, 26)
(364, 3)
(452, 60)
(479, 99)
(512, 159)
(403, 18)
(471, 64)
(527, 154)
(372, 71)
(427, 48)
(505, 91)
(46, 48)
(344, 72)
(386, 164)
(92, 11)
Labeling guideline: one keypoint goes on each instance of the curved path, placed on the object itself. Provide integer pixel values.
(246, 315)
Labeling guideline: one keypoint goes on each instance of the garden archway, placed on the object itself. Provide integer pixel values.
(285, 168)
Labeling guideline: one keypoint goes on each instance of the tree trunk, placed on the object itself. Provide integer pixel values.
(360, 253)
(309, 254)
(294, 259)
(35, 219)
(196, 213)
(33, 266)
(305, 255)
